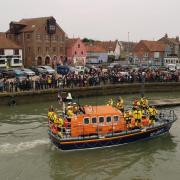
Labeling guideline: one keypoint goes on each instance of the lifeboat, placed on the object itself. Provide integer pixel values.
(104, 126)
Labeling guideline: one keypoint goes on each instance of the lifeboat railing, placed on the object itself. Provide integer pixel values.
(166, 115)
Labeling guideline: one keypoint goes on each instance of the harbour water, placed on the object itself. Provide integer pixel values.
(27, 154)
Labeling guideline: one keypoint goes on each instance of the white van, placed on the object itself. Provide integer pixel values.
(171, 67)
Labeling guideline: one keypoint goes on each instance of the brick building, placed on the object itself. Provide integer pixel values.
(75, 51)
(10, 53)
(150, 52)
(42, 40)
(174, 44)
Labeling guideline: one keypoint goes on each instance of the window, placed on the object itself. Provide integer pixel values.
(54, 49)
(75, 52)
(108, 119)
(16, 61)
(1, 51)
(116, 118)
(57, 37)
(86, 120)
(47, 49)
(177, 61)
(78, 45)
(47, 37)
(61, 50)
(38, 37)
(82, 52)
(145, 54)
(29, 49)
(101, 119)
(94, 120)
(39, 49)
(16, 51)
(28, 36)
(2, 61)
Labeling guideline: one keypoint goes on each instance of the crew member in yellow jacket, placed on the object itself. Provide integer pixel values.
(127, 117)
(152, 114)
(137, 115)
(120, 104)
(144, 103)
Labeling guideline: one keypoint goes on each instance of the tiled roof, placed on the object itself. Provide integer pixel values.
(95, 48)
(7, 43)
(154, 46)
(71, 42)
(128, 46)
(108, 45)
(171, 40)
(32, 23)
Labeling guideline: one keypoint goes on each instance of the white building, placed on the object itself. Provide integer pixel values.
(171, 60)
(10, 53)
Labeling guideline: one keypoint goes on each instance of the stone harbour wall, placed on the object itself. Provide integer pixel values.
(28, 97)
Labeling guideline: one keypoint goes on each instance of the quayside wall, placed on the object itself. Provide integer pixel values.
(28, 97)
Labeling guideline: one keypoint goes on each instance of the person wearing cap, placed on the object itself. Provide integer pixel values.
(75, 108)
(120, 104)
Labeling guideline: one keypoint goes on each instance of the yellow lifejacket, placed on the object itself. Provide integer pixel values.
(137, 114)
(110, 102)
(61, 122)
(49, 114)
(70, 113)
(152, 111)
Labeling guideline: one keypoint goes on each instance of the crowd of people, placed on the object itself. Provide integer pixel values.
(93, 77)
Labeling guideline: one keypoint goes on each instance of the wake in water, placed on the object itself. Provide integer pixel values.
(23, 146)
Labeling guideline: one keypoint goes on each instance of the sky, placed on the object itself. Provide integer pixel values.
(100, 19)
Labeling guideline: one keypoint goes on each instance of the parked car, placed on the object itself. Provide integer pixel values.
(82, 69)
(1, 74)
(63, 69)
(38, 70)
(8, 73)
(114, 65)
(19, 73)
(49, 69)
(28, 72)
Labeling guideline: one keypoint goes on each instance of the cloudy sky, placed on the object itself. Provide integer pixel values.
(100, 19)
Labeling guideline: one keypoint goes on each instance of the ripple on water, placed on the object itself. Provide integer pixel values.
(8, 148)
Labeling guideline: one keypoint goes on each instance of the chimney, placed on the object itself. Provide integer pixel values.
(166, 35)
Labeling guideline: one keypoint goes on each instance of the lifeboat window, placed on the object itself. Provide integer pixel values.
(101, 119)
(108, 119)
(116, 118)
(94, 120)
(86, 120)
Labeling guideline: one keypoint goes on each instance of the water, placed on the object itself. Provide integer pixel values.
(27, 154)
